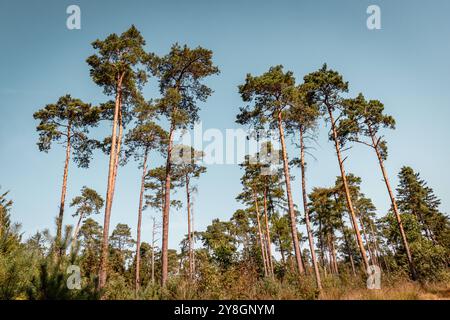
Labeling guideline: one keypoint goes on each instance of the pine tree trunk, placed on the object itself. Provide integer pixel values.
(330, 256)
(261, 241)
(165, 218)
(269, 241)
(117, 158)
(283, 256)
(75, 234)
(153, 250)
(394, 207)
(112, 157)
(193, 243)
(347, 244)
(332, 249)
(375, 242)
(369, 247)
(347, 192)
(139, 224)
(293, 218)
(63, 193)
(188, 199)
(306, 209)
(322, 248)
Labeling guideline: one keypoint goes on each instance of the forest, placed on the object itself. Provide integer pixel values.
(350, 250)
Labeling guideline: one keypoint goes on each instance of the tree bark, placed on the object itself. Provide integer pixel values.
(139, 224)
(63, 192)
(112, 157)
(165, 226)
(306, 209)
(347, 192)
(261, 241)
(269, 241)
(394, 207)
(117, 157)
(293, 219)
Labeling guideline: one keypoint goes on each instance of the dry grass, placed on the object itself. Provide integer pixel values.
(400, 291)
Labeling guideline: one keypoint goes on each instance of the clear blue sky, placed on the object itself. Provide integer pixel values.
(406, 65)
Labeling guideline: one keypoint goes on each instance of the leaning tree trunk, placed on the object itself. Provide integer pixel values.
(63, 193)
(75, 234)
(165, 218)
(293, 218)
(261, 241)
(395, 208)
(138, 236)
(306, 209)
(109, 189)
(347, 192)
(269, 241)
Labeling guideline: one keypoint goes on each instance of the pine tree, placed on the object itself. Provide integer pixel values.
(180, 76)
(87, 203)
(140, 141)
(67, 121)
(115, 67)
(362, 123)
(188, 169)
(325, 87)
(302, 118)
(269, 97)
(416, 198)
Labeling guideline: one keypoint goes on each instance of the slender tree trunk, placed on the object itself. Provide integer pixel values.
(395, 208)
(293, 218)
(306, 209)
(153, 250)
(112, 157)
(188, 199)
(75, 234)
(322, 248)
(283, 257)
(347, 192)
(332, 250)
(117, 157)
(139, 224)
(347, 244)
(165, 226)
(269, 241)
(193, 242)
(375, 242)
(330, 256)
(261, 241)
(369, 247)
(63, 192)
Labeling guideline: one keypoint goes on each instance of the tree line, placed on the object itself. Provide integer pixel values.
(344, 235)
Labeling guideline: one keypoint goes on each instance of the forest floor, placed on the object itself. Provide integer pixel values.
(401, 291)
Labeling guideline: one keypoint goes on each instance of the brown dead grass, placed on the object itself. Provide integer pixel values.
(400, 291)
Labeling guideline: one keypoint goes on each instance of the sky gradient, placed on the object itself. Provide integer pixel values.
(406, 65)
